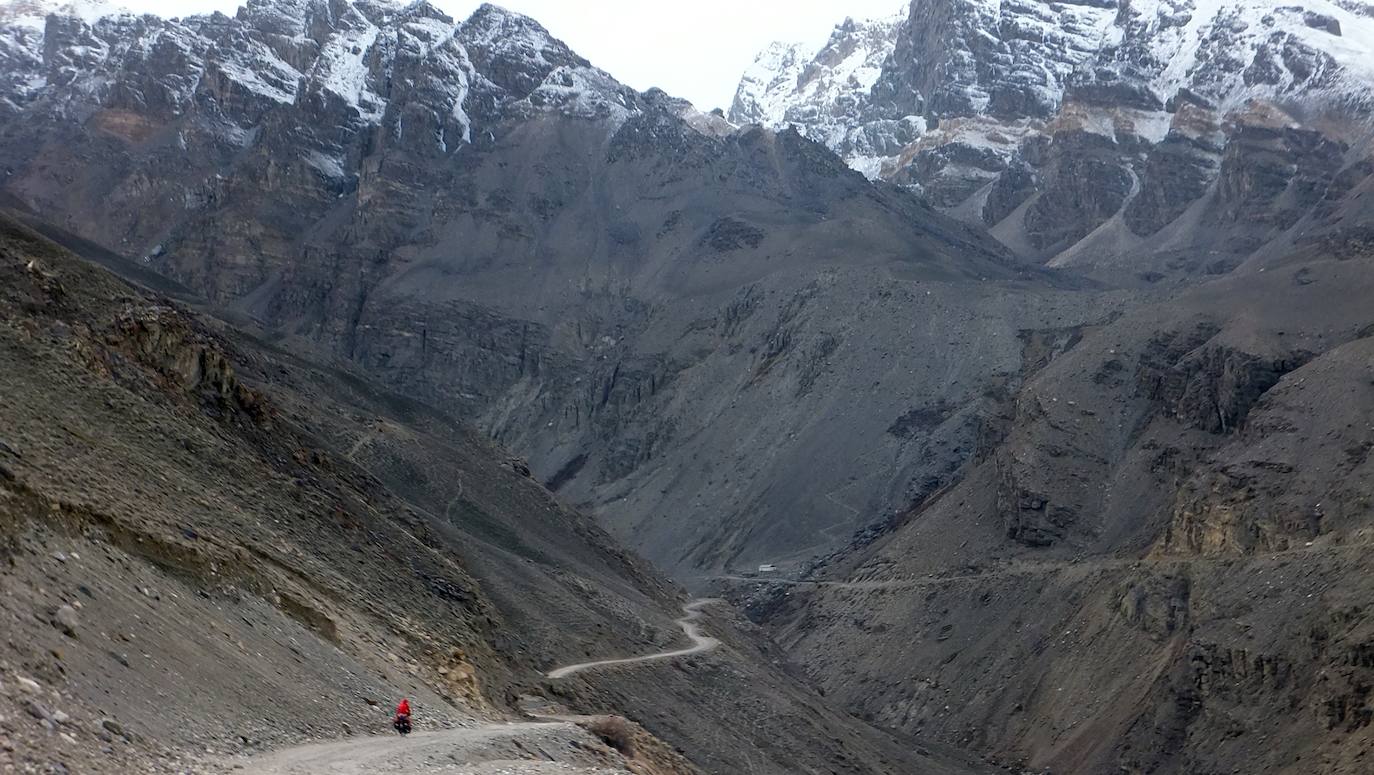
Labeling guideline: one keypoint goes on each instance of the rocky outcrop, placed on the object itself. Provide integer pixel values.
(1012, 188)
(1214, 388)
(167, 342)
(1081, 184)
(1030, 518)
(1273, 173)
(1177, 172)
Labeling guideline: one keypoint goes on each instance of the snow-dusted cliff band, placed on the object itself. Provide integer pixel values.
(966, 100)
(405, 67)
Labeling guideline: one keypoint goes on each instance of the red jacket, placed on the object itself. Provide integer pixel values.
(403, 709)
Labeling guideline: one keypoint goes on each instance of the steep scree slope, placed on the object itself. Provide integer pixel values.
(202, 539)
(197, 501)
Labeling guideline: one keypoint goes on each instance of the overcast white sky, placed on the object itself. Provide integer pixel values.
(695, 49)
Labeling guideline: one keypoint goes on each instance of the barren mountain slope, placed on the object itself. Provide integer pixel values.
(204, 540)
(1089, 489)
(1161, 565)
(218, 535)
(1164, 567)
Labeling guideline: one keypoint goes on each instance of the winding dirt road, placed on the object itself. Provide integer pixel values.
(487, 749)
(470, 750)
(691, 612)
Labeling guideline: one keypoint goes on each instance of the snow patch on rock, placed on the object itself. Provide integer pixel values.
(583, 92)
(259, 70)
(327, 165)
(342, 67)
(821, 92)
(769, 85)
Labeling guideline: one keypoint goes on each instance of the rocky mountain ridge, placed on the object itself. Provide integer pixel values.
(1001, 113)
(350, 60)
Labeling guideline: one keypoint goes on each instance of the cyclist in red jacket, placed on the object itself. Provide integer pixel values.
(402, 722)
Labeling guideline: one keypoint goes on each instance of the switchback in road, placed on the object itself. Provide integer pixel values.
(700, 643)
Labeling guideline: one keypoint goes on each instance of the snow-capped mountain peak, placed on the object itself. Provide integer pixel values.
(361, 59)
(1003, 64)
(817, 90)
(769, 83)
(1101, 121)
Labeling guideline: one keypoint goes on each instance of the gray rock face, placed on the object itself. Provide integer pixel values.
(1081, 186)
(1177, 172)
(968, 58)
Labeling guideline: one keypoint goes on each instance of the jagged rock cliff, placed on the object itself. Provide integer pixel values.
(823, 92)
